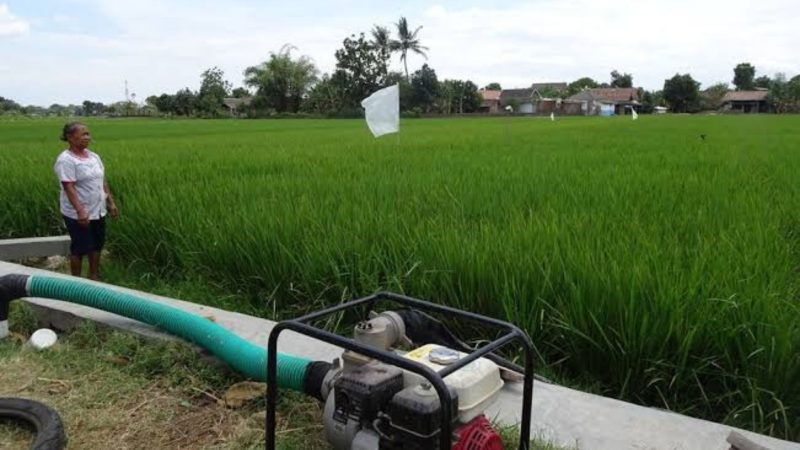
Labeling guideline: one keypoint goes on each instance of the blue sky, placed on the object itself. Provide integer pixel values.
(70, 50)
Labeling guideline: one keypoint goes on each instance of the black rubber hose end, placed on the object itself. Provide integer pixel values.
(422, 328)
(315, 376)
(12, 287)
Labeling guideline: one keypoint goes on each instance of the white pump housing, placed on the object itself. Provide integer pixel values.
(476, 384)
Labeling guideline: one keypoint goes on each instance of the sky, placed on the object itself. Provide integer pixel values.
(68, 51)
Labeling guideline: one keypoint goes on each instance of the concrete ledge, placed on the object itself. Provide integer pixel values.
(561, 415)
(19, 249)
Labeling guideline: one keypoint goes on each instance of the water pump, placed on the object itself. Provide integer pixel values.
(378, 397)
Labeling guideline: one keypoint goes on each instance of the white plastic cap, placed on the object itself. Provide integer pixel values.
(43, 338)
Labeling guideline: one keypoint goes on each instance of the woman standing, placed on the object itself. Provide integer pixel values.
(85, 198)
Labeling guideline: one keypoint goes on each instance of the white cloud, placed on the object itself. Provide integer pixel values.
(10, 25)
(164, 46)
(564, 40)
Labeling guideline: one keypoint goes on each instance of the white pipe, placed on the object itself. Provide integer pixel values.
(3, 329)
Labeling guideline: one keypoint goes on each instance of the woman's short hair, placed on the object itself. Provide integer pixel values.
(69, 128)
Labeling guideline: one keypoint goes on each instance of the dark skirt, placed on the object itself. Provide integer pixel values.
(86, 240)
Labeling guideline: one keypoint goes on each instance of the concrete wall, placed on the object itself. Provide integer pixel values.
(19, 249)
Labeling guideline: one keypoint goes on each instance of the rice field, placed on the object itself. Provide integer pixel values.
(656, 264)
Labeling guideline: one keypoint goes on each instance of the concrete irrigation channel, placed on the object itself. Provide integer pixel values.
(563, 416)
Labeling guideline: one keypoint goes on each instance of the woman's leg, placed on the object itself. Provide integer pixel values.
(94, 266)
(78, 246)
(97, 230)
(75, 265)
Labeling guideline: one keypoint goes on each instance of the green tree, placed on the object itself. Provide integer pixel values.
(58, 110)
(711, 98)
(458, 97)
(550, 92)
(240, 92)
(213, 90)
(682, 93)
(619, 80)
(407, 41)
(382, 40)
(8, 105)
(150, 107)
(743, 75)
(282, 81)
(494, 86)
(165, 104)
(361, 69)
(184, 102)
(33, 110)
(447, 93)
(424, 88)
(121, 108)
(793, 94)
(779, 96)
(406, 91)
(91, 108)
(648, 101)
(793, 88)
(658, 98)
(580, 84)
(323, 97)
(470, 98)
(763, 81)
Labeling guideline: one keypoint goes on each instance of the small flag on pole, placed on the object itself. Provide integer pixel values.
(383, 111)
(553, 116)
(634, 115)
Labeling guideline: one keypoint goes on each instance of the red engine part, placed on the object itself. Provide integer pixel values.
(478, 434)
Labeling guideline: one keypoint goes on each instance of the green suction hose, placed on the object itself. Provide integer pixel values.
(245, 357)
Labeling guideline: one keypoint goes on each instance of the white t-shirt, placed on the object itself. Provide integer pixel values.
(88, 175)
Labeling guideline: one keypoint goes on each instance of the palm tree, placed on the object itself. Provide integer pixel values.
(381, 39)
(282, 81)
(406, 41)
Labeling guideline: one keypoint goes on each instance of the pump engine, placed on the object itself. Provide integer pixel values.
(405, 382)
(373, 405)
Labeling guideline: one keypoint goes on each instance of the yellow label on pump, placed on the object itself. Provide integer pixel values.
(421, 353)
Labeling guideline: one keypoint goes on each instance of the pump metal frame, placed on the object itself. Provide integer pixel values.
(301, 325)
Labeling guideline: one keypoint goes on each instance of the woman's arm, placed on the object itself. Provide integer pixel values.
(72, 196)
(110, 203)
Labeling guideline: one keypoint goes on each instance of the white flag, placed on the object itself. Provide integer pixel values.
(383, 111)
(552, 116)
(634, 115)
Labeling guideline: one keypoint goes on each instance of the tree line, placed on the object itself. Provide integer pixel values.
(682, 93)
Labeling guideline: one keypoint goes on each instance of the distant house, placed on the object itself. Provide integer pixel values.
(571, 108)
(528, 100)
(607, 101)
(520, 99)
(234, 104)
(746, 101)
(491, 101)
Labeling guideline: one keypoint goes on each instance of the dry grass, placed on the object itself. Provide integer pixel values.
(117, 391)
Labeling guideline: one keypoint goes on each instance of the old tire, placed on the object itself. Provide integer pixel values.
(50, 433)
